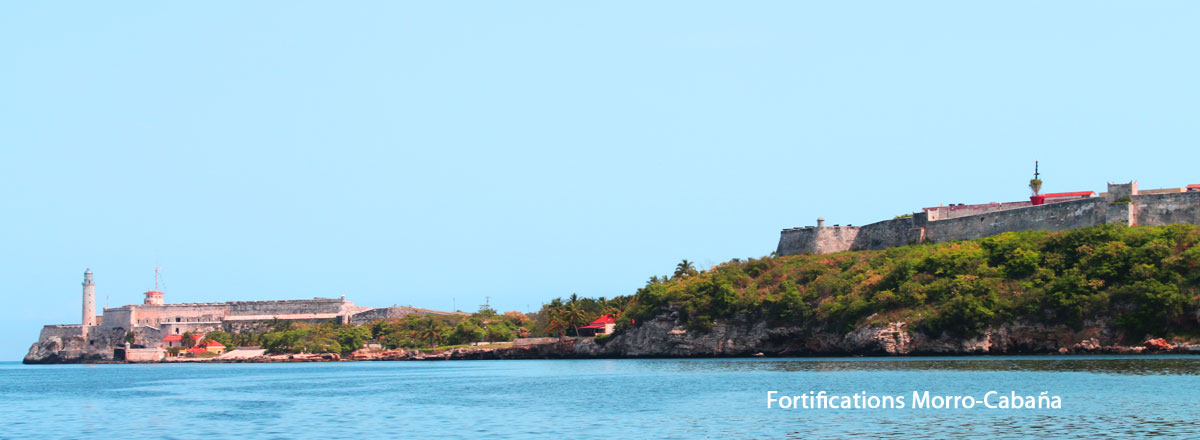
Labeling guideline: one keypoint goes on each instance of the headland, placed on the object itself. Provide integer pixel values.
(1066, 273)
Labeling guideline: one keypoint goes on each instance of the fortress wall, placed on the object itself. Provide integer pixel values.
(888, 233)
(955, 211)
(1052, 217)
(832, 239)
(382, 313)
(145, 354)
(796, 241)
(171, 313)
(287, 307)
(121, 317)
(180, 328)
(1166, 209)
(61, 332)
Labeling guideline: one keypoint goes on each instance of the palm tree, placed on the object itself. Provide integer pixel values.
(429, 330)
(685, 268)
(574, 314)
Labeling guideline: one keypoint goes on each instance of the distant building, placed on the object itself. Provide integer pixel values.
(603, 325)
(173, 341)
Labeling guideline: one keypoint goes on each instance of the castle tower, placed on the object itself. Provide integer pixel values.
(154, 297)
(89, 300)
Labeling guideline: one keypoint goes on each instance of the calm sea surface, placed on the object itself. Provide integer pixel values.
(1102, 397)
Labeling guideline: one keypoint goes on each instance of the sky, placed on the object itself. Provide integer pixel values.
(446, 155)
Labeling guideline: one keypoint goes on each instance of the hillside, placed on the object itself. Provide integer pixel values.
(1123, 284)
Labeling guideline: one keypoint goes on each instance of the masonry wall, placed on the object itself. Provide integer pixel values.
(1167, 209)
(955, 211)
(1148, 210)
(889, 233)
(381, 313)
(287, 307)
(60, 331)
(821, 240)
(1052, 217)
(796, 241)
(121, 317)
(178, 313)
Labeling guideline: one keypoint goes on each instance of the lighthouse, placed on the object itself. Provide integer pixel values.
(89, 300)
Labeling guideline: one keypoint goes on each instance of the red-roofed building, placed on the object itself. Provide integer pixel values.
(213, 347)
(1191, 188)
(196, 350)
(173, 340)
(603, 325)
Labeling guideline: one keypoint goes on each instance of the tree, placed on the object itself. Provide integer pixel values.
(573, 314)
(685, 268)
(224, 338)
(188, 340)
(351, 337)
(430, 329)
(556, 326)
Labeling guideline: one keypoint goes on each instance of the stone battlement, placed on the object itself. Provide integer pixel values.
(1122, 204)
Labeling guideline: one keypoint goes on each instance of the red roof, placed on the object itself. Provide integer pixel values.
(606, 319)
(1069, 194)
(197, 337)
(197, 350)
(213, 344)
(1193, 187)
(171, 338)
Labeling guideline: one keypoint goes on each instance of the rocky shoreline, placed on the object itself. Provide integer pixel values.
(666, 337)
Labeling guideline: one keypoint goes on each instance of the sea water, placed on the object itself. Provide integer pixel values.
(1101, 397)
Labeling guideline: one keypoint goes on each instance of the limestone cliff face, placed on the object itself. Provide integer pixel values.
(72, 349)
(665, 337)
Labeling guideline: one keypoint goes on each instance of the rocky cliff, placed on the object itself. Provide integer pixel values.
(73, 349)
(665, 337)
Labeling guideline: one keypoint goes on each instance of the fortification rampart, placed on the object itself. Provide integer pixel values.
(287, 307)
(1122, 204)
(61, 331)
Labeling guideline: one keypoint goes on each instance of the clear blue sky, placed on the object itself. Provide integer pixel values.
(408, 154)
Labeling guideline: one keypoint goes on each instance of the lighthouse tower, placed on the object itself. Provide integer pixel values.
(89, 302)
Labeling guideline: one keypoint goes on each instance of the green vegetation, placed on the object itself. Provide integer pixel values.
(1142, 278)
(1145, 280)
(1035, 185)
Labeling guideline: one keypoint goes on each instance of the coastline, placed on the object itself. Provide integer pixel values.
(567, 350)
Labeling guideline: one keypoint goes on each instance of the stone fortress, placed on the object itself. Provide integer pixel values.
(1122, 204)
(137, 330)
